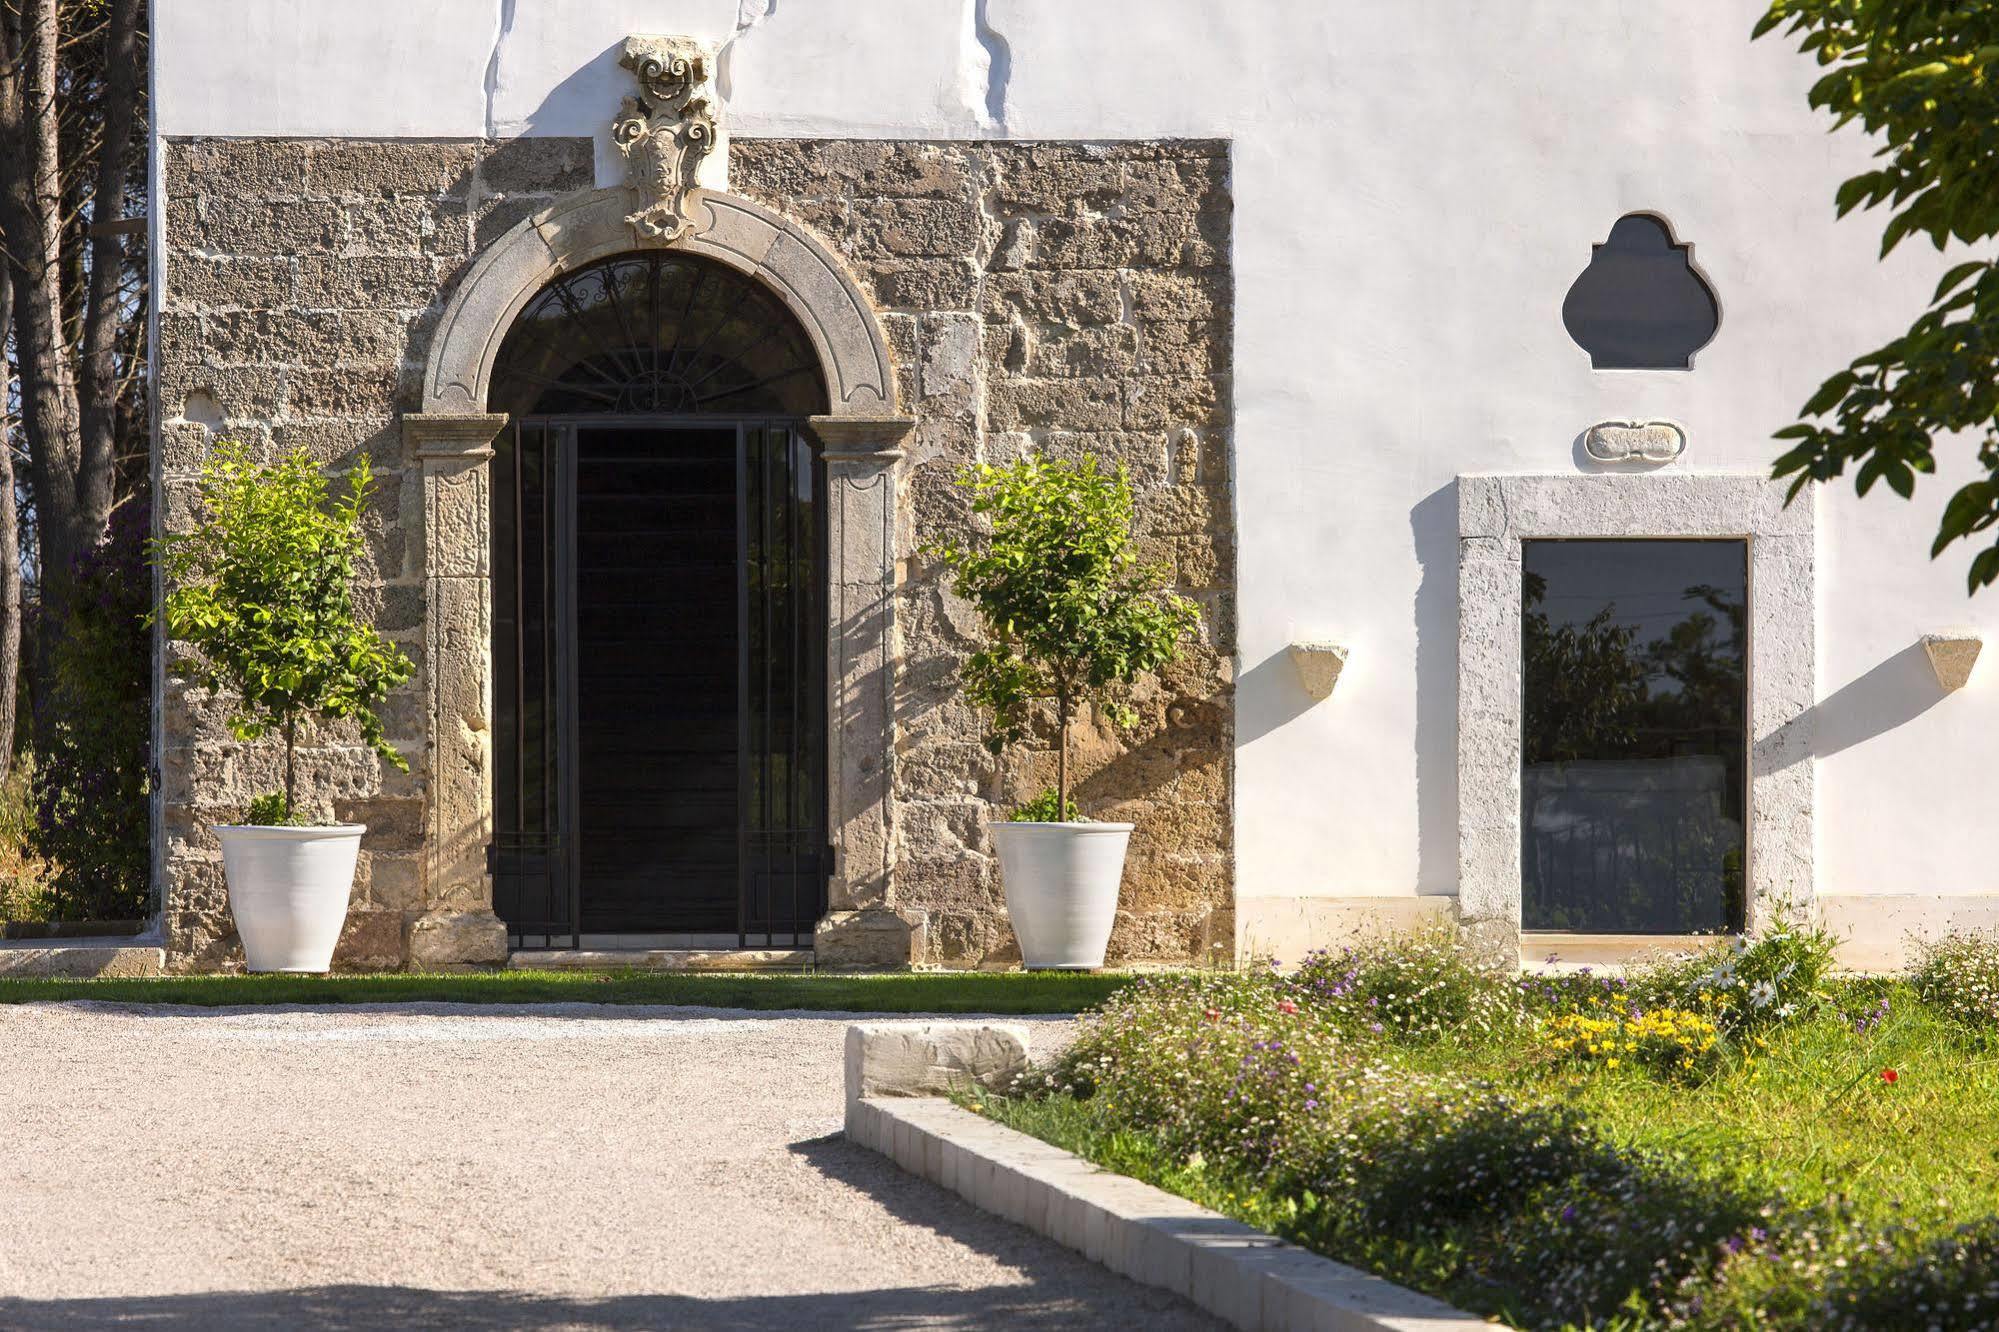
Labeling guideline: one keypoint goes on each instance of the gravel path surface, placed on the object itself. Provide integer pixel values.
(420, 1165)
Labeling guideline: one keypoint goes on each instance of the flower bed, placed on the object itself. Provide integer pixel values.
(1729, 1140)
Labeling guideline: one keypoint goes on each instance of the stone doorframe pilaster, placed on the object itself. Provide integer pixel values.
(1495, 513)
(451, 438)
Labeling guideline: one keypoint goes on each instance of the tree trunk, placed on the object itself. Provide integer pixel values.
(69, 384)
(10, 555)
(291, 767)
(1062, 758)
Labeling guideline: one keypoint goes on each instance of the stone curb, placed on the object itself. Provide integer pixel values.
(80, 958)
(1243, 1275)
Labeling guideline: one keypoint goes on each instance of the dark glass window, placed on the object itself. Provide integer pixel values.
(657, 331)
(1640, 305)
(1632, 789)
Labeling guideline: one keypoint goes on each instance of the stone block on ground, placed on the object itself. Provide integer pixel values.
(932, 1058)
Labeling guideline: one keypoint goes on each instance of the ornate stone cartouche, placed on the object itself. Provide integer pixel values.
(665, 131)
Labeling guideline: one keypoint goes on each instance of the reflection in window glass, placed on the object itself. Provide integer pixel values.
(1632, 796)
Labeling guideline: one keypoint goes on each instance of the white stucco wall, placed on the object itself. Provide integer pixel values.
(1415, 185)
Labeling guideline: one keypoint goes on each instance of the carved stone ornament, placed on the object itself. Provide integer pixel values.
(1635, 441)
(1952, 655)
(1319, 665)
(665, 131)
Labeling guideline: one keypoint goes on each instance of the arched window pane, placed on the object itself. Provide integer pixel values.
(656, 332)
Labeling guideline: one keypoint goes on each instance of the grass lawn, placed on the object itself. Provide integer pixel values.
(1791, 1147)
(910, 992)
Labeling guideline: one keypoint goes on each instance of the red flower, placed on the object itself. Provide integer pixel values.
(1286, 1006)
(1889, 1075)
(1213, 1015)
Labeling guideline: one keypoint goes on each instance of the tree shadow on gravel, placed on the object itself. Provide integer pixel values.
(918, 1202)
(353, 1307)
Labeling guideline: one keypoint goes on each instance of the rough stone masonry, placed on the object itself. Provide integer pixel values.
(1062, 297)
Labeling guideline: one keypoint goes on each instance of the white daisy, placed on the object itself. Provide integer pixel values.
(1762, 994)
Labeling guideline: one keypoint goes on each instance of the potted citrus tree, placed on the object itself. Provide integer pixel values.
(1072, 619)
(261, 590)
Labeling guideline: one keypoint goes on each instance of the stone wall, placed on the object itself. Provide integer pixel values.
(1067, 298)
(1062, 297)
(301, 280)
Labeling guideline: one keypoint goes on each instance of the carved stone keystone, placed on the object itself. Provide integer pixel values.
(1635, 441)
(1952, 655)
(666, 132)
(1319, 665)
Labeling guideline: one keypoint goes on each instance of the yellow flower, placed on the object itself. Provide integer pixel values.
(1610, 1063)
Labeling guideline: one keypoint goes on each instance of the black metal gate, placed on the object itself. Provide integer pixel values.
(659, 679)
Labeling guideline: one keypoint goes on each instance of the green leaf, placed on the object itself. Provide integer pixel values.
(1957, 275)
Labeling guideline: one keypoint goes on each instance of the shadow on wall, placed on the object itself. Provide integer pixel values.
(1433, 532)
(1269, 694)
(1897, 691)
(576, 106)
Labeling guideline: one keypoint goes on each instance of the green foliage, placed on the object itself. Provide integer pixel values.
(1818, 1176)
(1228, 1068)
(1923, 77)
(1042, 809)
(91, 783)
(1070, 615)
(1420, 987)
(272, 810)
(262, 590)
(24, 893)
(1959, 976)
(1749, 983)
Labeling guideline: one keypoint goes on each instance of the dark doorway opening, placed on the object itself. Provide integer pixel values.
(659, 673)
(656, 679)
(1633, 793)
(659, 623)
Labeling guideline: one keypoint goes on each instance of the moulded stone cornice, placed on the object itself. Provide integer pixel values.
(855, 437)
(451, 434)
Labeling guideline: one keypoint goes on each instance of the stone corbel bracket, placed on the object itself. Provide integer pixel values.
(1952, 655)
(666, 132)
(1635, 441)
(1319, 665)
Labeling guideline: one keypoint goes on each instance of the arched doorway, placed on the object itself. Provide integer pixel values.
(658, 565)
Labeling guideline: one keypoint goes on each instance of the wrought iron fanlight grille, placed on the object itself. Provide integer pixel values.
(656, 332)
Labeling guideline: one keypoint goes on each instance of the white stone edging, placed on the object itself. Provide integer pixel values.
(1245, 1276)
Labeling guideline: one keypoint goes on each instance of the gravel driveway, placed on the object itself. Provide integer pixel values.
(566, 1166)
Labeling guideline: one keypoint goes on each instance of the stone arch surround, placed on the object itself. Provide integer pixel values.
(590, 225)
(450, 440)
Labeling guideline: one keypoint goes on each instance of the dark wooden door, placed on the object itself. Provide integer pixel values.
(655, 654)
(660, 670)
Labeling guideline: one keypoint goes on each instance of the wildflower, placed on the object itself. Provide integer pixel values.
(1762, 994)
(1286, 1006)
(1213, 1014)
(1889, 1075)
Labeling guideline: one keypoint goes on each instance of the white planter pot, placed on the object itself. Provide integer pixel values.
(288, 890)
(1061, 889)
